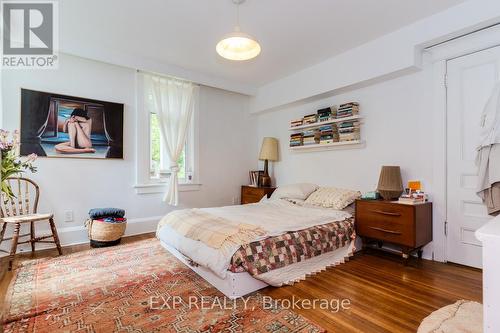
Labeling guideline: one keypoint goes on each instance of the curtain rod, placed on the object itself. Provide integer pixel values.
(168, 77)
(461, 36)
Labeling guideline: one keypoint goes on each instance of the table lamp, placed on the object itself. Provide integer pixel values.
(390, 184)
(268, 152)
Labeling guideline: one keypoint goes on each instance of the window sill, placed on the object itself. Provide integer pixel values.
(162, 188)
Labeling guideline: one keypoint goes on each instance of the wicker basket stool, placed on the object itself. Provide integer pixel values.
(102, 233)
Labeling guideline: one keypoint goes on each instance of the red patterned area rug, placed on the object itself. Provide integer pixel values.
(137, 287)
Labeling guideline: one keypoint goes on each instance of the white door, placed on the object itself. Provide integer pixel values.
(470, 81)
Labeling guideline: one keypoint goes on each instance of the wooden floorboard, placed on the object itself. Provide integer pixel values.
(384, 295)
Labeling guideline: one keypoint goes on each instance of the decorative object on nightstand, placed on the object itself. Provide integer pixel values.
(255, 177)
(390, 184)
(252, 194)
(408, 226)
(268, 152)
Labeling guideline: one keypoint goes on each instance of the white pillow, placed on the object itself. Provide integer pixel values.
(294, 191)
(332, 197)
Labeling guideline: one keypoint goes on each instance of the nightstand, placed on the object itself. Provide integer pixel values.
(408, 226)
(252, 194)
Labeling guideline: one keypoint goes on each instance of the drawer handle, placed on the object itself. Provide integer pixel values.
(385, 213)
(387, 231)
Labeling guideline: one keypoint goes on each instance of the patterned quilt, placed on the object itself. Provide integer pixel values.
(276, 252)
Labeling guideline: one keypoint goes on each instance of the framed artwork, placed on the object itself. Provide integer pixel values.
(55, 125)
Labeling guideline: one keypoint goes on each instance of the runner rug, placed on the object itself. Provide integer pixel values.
(137, 287)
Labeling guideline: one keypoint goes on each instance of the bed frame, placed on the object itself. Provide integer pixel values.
(235, 285)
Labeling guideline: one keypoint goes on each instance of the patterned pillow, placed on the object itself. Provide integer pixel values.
(332, 197)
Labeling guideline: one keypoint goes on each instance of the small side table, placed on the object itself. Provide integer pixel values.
(253, 194)
(408, 226)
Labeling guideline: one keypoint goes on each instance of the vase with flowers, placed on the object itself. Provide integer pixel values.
(12, 164)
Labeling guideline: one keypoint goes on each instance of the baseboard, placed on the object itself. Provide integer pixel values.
(78, 235)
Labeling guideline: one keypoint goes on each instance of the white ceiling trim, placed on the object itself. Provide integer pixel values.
(151, 66)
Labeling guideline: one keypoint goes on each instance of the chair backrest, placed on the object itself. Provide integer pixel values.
(25, 200)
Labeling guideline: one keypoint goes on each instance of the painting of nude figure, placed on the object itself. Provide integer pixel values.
(55, 125)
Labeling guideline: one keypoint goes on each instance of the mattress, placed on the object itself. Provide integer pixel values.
(310, 233)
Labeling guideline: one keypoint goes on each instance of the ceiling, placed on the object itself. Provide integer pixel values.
(294, 34)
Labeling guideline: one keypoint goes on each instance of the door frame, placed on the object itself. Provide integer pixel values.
(435, 60)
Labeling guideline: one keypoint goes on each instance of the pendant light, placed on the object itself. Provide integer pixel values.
(237, 45)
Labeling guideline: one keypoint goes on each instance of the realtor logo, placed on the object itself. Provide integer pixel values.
(29, 34)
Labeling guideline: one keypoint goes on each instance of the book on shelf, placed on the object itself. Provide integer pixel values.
(346, 114)
(350, 104)
(310, 119)
(348, 130)
(296, 139)
(349, 137)
(349, 123)
(348, 110)
(296, 122)
(309, 132)
(326, 114)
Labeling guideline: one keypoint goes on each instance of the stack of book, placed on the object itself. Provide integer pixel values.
(328, 134)
(413, 198)
(348, 110)
(310, 119)
(254, 177)
(296, 140)
(349, 131)
(296, 122)
(325, 114)
(310, 137)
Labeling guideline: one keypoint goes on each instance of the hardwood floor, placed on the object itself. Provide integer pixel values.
(384, 295)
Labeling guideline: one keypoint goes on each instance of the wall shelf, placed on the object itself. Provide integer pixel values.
(328, 146)
(322, 123)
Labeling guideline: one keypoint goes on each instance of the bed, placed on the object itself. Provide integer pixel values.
(273, 242)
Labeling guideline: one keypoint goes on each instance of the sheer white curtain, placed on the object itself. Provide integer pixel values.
(173, 102)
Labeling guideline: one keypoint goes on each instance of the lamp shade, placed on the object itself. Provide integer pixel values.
(238, 46)
(390, 184)
(269, 149)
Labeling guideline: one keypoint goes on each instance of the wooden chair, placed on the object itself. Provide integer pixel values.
(22, 209)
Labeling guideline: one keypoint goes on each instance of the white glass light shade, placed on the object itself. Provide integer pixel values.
(238, 46)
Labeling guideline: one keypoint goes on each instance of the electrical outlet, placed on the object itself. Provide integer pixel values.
(68, 216)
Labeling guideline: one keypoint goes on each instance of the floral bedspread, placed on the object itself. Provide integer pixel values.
(276, 252)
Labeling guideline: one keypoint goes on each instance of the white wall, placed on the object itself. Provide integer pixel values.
(397, 128)
(81, 184)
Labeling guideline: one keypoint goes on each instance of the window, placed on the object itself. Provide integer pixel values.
(159, 161)
(153, 163)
